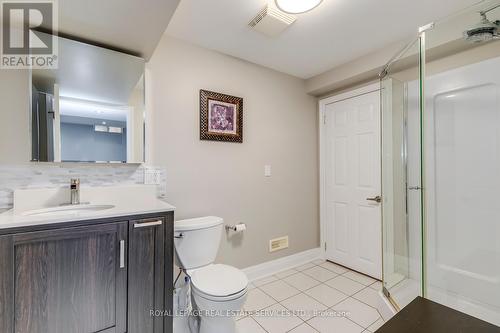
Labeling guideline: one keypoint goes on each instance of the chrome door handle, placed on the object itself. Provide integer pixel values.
(181, 235)
(378, 199)
(122, 254)
(148, 224)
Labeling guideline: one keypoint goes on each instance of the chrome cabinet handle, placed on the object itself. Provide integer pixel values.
(122, 254)
(148, 224)
(378, 199)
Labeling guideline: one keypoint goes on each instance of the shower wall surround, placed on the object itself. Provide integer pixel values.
(26, 176)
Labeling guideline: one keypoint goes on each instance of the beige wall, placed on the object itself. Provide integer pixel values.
(14, 117)
(227, 179)
(358, 72)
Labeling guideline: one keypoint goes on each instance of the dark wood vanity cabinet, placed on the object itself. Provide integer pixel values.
(149, 274)
(66, 280)
(104, 277)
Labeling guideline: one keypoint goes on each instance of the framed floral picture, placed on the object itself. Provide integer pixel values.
(221, 117)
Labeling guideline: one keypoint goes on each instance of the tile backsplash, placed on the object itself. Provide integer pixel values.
(25, 176)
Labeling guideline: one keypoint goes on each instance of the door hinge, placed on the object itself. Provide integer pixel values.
(325, 246)
(324, 118)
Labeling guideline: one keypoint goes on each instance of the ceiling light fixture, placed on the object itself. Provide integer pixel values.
(297, 6)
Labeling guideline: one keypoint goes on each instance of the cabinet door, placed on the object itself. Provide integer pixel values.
(64, 280)
(146, 275)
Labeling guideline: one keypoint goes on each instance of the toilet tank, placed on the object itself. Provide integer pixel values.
(197, 241)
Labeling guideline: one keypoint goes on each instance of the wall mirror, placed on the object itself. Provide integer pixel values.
(90, 109)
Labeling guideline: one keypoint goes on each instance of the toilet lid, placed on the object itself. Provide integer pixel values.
(219, 280)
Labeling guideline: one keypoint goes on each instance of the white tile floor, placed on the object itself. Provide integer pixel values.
(308, 289)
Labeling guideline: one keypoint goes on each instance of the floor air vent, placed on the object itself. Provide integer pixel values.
(278, 244)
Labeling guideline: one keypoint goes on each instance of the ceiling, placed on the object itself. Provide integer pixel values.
(76, 111)
(91, 73)
(134, 26)
(334, 33)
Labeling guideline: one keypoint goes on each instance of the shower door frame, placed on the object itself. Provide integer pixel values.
(421, 79)
(423, 220)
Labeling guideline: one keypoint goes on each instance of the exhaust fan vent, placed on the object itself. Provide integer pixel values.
(271, 21)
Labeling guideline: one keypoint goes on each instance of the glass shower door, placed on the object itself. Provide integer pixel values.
(401, 174)
(440, 162)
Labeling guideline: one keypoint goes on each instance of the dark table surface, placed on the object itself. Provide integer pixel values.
(424, 316)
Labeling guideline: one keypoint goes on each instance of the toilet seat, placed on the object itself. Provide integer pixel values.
(219, 282)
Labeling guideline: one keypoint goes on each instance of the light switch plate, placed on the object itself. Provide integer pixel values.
(267, 170)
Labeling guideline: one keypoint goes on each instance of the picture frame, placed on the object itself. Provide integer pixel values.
(221, 117)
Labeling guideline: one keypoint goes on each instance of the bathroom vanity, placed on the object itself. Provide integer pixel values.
(101, 271)
(99, 259)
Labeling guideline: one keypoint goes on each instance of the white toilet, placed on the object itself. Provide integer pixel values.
(218, 291)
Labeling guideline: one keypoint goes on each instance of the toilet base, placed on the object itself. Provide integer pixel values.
(217, 325)
(213, 316)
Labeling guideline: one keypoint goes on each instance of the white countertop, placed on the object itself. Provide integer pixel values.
(127, 201)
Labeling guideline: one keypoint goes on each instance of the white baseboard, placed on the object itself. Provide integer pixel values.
(274, 266)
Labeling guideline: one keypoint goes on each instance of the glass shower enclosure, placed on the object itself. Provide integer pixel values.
(401, 184)
(440, 166)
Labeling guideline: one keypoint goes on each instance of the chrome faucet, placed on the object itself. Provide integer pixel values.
(75, 191)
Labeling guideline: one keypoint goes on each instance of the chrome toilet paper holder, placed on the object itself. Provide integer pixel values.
(235, 228)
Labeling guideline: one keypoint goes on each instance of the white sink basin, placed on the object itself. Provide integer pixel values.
(68, 210)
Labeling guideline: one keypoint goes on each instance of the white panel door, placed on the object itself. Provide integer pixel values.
(352, 176)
